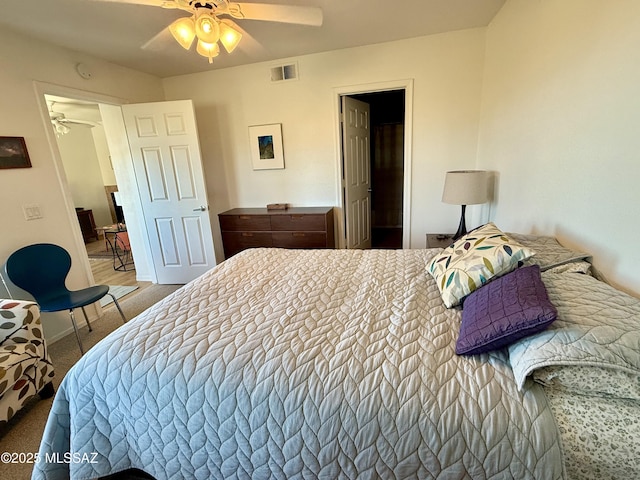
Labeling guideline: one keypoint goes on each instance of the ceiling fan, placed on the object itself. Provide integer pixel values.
(62, 124)
(205, 25)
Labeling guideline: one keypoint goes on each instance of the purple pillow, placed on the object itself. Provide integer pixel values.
(505, 310)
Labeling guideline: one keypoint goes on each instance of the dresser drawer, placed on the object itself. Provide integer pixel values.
(299, 222)
(299, 239)
(235, 242)
(245, 222)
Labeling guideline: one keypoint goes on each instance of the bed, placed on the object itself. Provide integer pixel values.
(343, 364)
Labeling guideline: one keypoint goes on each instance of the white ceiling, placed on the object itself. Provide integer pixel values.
(116, 32)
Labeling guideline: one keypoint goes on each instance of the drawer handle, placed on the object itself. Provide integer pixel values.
(297, 217)
(244, 217)
(247, 234)
(298, 234)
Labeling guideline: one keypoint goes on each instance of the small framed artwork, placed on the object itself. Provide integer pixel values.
(13, 153)
(266, 146)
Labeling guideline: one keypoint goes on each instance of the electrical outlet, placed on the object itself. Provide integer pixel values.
(32, 211)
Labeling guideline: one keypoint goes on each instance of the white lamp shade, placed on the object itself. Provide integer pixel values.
(466, 187)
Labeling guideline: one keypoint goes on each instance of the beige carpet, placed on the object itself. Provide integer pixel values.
(24, 432)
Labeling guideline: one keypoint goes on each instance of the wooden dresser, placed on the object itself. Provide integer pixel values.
(87, 224)
(298, 227)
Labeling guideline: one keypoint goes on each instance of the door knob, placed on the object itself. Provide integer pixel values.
(202, 208)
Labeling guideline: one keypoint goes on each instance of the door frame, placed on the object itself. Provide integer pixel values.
(142, 253)
(338, 92)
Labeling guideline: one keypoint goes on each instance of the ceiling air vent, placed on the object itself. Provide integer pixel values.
(284, 72)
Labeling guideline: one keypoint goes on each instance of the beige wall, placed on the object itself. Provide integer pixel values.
(24, 62)
(104, 156)
(560, 116)
(84, 177)
(447, 77)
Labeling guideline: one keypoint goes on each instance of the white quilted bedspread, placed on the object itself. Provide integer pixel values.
(300, 364)
(597, 326)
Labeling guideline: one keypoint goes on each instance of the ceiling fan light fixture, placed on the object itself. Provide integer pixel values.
(183, 30)
(209, 50)
(207, 28)
(60, 128)
(229, 36)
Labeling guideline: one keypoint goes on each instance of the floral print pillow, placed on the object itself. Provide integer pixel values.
(472, 260)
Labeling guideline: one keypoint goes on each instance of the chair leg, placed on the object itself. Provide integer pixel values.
(124, 320)
(87, 319)
(75, 328)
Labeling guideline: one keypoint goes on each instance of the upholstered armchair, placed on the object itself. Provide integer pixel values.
(25, 366)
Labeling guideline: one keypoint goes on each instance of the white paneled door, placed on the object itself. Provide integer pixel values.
(357, 172)
(166, 156)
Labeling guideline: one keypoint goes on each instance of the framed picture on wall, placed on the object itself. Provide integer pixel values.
(13, 153)
(266, 146)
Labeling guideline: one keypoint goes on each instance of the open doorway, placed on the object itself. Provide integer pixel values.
(388, 175)
(86, 160)
(387, 113)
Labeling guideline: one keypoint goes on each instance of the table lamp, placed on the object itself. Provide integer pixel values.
(465, 187)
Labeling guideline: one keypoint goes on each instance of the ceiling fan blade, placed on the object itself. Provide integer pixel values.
(277, 13)
(150, 3)
(159, 42)
(75, 121)
(61, 119)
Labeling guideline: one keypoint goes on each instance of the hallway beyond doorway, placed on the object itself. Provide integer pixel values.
(386, 238)
(101, 260)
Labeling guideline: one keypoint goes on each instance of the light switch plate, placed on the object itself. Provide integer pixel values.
(32, 211)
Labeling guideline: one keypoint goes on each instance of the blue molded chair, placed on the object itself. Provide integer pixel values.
(41, 270)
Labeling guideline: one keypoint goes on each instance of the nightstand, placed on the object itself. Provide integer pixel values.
(439, 240)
